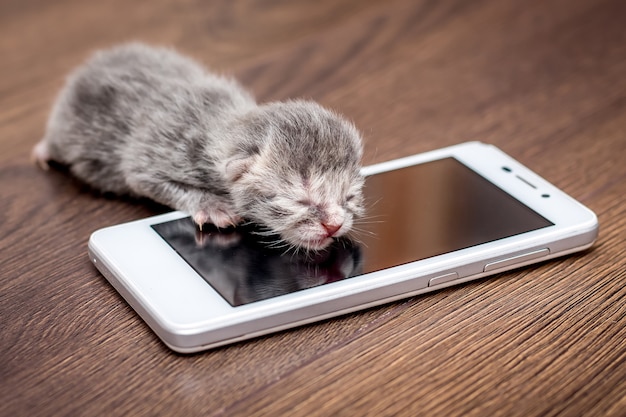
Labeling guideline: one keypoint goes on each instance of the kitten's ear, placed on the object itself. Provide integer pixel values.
(237, 166)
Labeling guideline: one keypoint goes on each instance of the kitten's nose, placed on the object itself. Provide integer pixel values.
(332, 228)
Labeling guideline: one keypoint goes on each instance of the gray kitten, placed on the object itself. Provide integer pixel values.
(149, 122)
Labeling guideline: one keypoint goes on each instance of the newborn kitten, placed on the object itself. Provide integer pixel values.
(149, 122)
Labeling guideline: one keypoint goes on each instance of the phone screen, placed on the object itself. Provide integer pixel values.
(412, 213)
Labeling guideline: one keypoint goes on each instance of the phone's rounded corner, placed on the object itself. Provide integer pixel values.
(180, 339)
(184, 349)
(92, 244)
(181, 350)
(591, 226)
(92, 237)
(173, 342)
(95, 237)
(594, 220)
(594, 234)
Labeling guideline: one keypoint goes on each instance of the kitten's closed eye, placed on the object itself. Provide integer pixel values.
(305, 202)
(268, 197)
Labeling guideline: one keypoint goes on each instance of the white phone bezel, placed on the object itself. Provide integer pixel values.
(189, 315)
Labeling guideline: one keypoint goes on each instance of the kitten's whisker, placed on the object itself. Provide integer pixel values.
(369, 221)
(372, 203)
(290, 247)
(369, 217)
(263, 233)
(364, 231)
(359, 241)
(276, 244)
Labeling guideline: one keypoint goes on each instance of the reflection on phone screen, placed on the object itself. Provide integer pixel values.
(243, 269)
(412, 213)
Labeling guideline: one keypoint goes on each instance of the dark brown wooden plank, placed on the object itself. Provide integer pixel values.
(543, 80)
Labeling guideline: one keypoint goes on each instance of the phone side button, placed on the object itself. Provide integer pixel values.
(503, 263)
(441, 279)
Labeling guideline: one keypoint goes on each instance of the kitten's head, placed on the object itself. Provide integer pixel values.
(296, 171)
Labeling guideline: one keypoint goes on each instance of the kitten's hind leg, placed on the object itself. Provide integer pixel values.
(40, 155)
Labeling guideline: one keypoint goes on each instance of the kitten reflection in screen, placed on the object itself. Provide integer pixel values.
(243, 270)
(148, 122)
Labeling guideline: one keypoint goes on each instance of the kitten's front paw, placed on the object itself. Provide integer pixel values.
(219, 217)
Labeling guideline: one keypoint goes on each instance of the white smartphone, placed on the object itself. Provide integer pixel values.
(433, 220)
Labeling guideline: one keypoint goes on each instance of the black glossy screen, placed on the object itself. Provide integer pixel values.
(412, 213)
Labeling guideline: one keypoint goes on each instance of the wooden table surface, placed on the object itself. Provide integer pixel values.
(543, 80)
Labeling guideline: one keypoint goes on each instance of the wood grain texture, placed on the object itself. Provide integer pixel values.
(542, 80)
